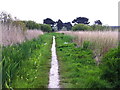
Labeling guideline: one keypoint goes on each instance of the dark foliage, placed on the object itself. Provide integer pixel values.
(68, 25)
(59, 24)
(98, 22)
(81, 20)
(49, 21)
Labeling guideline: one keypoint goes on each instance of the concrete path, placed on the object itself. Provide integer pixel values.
(54, 75)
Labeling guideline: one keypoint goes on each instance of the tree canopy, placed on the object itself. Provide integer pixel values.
(98, 22)
(68, 25)
(59, 24)
(81, 20)
(48, 21)
(81, 27)
(32, 25)
(46, 28)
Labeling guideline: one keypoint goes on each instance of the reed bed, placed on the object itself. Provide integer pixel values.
(101, 41)
(10, 34)
(30, 34)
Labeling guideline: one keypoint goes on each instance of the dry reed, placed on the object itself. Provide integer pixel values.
(101, 41)
(30, 34)
(10, 34)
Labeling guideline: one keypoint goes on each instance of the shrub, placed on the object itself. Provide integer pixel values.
(99, 27)
(111, 67)
(46, 28)
(20, 24)
(32, 25)
(81, 27)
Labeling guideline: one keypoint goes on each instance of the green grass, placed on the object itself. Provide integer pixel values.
(27, 65)
(110, 67)
(77, 66)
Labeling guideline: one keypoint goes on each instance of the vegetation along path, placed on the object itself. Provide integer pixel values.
(78, 67)
(29, 65)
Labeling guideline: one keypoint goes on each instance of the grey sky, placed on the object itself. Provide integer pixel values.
(66, 10)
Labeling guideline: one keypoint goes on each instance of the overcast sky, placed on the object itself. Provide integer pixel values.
(66, 10)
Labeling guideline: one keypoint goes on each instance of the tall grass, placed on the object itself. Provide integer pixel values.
(0, 34)
(101, 41)
(0, 58)
(27, 65)
(11, 34)
(77, 65)
(30, 34)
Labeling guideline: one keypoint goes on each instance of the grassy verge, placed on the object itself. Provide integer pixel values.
(27, 65)
(77, 66)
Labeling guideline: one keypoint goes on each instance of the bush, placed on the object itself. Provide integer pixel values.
(83, 27)
(111, 67)
(19, 24)
(46, 28)
(99, 27)
(32, 25)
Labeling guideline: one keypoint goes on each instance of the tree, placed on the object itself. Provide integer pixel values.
(98, 22)
(5, 18)
(81, 27)
(49, 21)
(59, 24)
(99, 27)
(68, 25)
(81, 20)
(19, 24)
(32, 25)
(46, 28)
